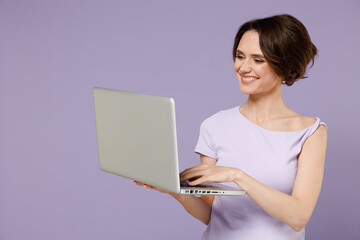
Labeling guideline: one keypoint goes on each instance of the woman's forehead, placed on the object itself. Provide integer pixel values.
(249, 43)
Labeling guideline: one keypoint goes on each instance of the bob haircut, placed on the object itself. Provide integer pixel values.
(285, 43)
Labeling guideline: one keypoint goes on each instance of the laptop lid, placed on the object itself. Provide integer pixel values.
(136, 136)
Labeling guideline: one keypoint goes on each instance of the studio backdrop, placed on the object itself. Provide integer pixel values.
(52, 54)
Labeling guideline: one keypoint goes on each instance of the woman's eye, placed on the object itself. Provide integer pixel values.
(259, 61)
(239, 56)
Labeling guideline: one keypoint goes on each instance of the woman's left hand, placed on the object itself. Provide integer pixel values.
(208, 173)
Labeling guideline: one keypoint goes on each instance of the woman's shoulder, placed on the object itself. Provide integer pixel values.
(296, 121)
(221, 117)
(223, 113)
(289, 121)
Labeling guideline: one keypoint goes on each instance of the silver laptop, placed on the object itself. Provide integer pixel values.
(136, 136)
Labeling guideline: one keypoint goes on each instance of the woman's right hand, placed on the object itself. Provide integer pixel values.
(150, 187)
(197, 207)
(178, 197)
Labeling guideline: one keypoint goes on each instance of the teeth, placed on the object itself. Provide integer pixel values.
(249, 79)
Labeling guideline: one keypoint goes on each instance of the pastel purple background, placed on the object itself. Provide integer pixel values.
(52, 53)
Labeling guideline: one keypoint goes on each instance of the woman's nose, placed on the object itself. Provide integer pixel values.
(245, 67)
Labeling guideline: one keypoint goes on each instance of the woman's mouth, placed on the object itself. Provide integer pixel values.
(247, 80)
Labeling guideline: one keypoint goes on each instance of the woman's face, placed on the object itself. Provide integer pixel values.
(252, 70)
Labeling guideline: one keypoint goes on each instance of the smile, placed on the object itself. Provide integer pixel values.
(247, 80)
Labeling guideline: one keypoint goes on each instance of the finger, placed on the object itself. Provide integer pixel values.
(193, 170)
(192, 179)
(192, 175)
(189, 176)
(138, 183)
(186, 171)
(141, 184)
(197, 181)
(196, 168)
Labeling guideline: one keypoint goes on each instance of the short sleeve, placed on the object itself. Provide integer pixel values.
(310, 131)
(205, 144)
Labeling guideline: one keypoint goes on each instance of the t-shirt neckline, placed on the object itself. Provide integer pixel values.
(270, 130)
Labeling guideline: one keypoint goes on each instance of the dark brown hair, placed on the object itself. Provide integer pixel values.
(285, 43)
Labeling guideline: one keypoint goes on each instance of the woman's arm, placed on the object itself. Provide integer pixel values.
(295, 209)
(198, 207)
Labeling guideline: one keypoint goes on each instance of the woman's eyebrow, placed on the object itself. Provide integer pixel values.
(253, 55)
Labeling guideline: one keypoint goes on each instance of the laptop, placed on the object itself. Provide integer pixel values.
(136, 137)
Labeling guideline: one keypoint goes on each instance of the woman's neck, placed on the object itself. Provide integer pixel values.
(265, 106)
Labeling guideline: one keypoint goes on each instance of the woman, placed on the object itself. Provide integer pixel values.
(275, 154)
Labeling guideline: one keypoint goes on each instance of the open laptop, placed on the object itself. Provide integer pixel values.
(136, 136)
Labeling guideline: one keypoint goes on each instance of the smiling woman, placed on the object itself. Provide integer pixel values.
(272, 152)
(255, 74)
(285, 43)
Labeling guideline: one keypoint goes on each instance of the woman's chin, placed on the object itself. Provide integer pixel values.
(246, 90)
